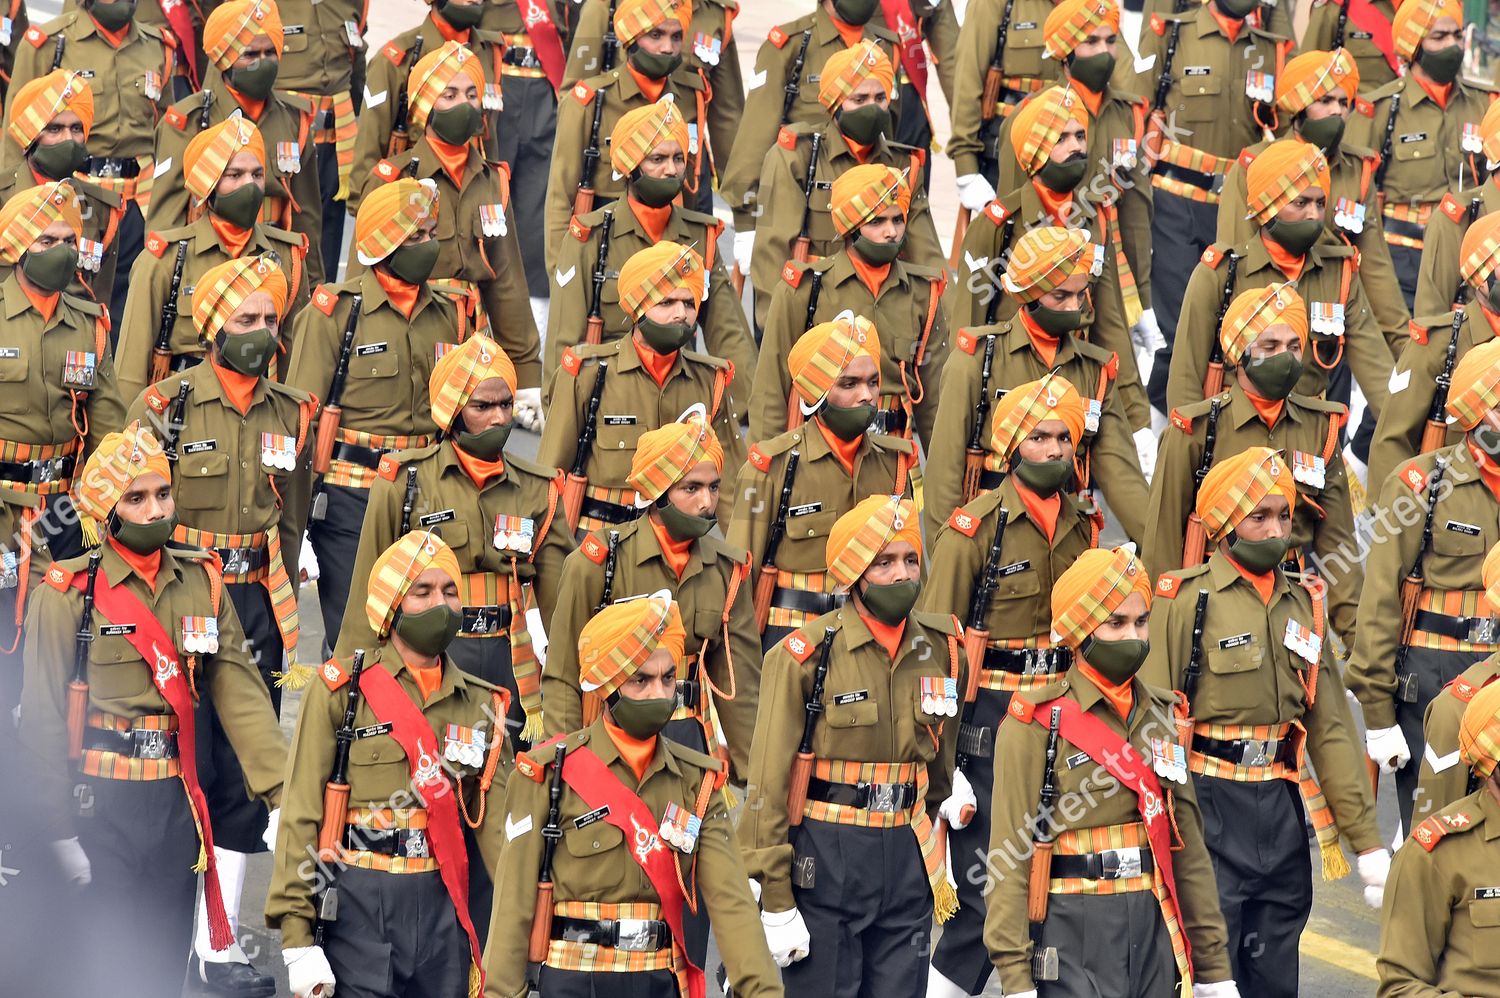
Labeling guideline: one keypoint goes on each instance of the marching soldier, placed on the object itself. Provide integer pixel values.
(123, 737)
(792, 220)
(1134, 860)
(243, 40)
(1444, 233)
(23, 543)
(999, 557)
(1423, 125)
(649, 148)
(1287, 189)
(840, 828)
(1243, 644)
(913, 23)
(1051, 275)
(496, 510)
(608, 909)
(1436, 927)
(373, 364)
(1263, 339)
(428, 734)
(604, 398)
(798, 483)
(1422, 609)
(870, 205)
(1363, 27)
(224, 175)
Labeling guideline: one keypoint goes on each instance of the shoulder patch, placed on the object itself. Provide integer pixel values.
(1246, 158)
(1021, 709)
(58, 577)
(966, 341)
(759, 459)
(1417, 331)
(1183, 423)
(1213, 256)
(965, 523)
(1167, 586)
(996, 212)
(156, 244)
(1429, 833)
(571, 362)
(1112, 367)
(1364, 107)
(1451, 207)
(324, 299)
(1463, 689)
(582, 92)
(388, 468)
(777, 37)
(386, 170)
(530, 768)
(1414, 477)
(786, 138)
(792, 274)
(393, 52)
(578, 230)
(333, 674)
(800, 647)
(594, 549)
(176, 118)
(156, 400)
(36, 36)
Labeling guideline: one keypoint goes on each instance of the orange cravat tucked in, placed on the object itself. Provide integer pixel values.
(872, 275)
(252, 107)
(144, 565)
(448, 31)
(233, 238)
(1121, 697)
(428, 678)
(636, 752)
(115, 38)
(478, 469)
(1045, 346)
(842, 449)
(888, 636)
(1264, 584)
(238, 388)
(1285, 262)
(1091, 100)
(1436, 92)
(653, 220)
(1044, 510)
(1488, 469)
(850, 33)
(1230, 27)
(651, 88)
(658, 365)
(860, 150)
(401, 294)
(675, 553)
(1269, 409)
(45, 304)
(453, 158)
(1056, 205)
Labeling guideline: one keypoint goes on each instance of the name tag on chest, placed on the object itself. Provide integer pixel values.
(1467, 529)
(855, 696)
(370, 349)
(441, 516)
(1235, 641)
(585, 820)
(804, 509)
(116, 630)
(383, 728)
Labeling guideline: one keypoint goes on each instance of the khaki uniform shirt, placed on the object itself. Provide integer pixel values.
(1022, 66)
(319, 53)
(379, 775)
(102, 211)
(1444, 776)
(151, 287)
(1023, 746)
(593, 862)
(1438, 276)
(1322, 34)
(1272, 16)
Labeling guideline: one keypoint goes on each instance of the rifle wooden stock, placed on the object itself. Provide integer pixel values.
(399, 143)
(989, 101)
(960, 231)
(1194, 542)
(801, 249)
(1037, 883)
(796, 790)
(335, 814)
(583, 201)
(541, 924)
(593, 331)
(328, 430)
(976, 641)
(572, 499)
(1411, 592)
(78, 704)
(973, 473)
(765, 588)
(161, 364)
(1372, 770)
(1213, 379)
(1434, 435)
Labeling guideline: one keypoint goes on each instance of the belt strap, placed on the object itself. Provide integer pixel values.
(1111, 864)
(636, 935)
(609, 512)
(1028, 661)
(886, 797)
(1476, 630)
(1213, 183)
(807, 602)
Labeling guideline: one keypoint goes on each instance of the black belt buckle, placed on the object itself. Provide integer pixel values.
(1406, 687)
(688, 693)
(153, 743)
(609, 512)
(1121, 864)
(888, 798)
(976, 740)
(367, 457)
(1043, 963)
(522, 57)
(889, 421)
(241, 561)
(490, 619)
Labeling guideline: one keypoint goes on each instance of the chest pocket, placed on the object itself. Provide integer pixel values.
(1484, 916)
(821, 228)
(615, 445)
(1023, 51)
(15, 368)
(1233, 669)
(707, 623)
(296, 38)
(118, 672)
(593, 840)
(377, 766)
(1020, 582)
(804, 548)
(859, 714)
(1406, 147)
(203, 480)
(385, 364)
(1201, 96)
(1456, 557)
(455, 533)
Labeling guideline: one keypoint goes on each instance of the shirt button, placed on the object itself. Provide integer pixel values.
(244, 509)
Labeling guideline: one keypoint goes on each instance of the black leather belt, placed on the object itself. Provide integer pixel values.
(52, 469)
(485, 619)
(990, 479)
(1111, 864)
(1476, 630)
(367, 457)
(1248, 751)
(609, 512)
(1211, 182)
(521, 57)
(891, 421)
(410, 843)
(805, 601)
(110, 166)
(636, 935)
(1028, 661)
(242, 561)
(688, 692)
(137, 743)
(881, 797)
(1403, 228)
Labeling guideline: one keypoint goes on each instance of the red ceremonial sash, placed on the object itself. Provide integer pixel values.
(413, 732)
(899, 18)
(120, 606)
(548, 45)
(1120, 760)
(599, 788)
(1366, 18)
(181, 20)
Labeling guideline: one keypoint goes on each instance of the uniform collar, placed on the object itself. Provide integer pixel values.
(208, 388)
(841, 271)
(453, 677)
(375, 296)
(815, 446)
(1089, 696)
(676, 230)
(84, 27)
(1413, 93)
(206, 240)
(1206, 24)
(596, 737)
(1016, 509)
(1254, 257)
(448, 462)
(17, 304)
(1222, 574)
(429, 167)
(648, 548)
(1017, 341)
(1242, 411)
(627, 359)
(116, 569)
(854, 633)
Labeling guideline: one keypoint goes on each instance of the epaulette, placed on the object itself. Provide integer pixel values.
(1364, 107)
(388, 468)
(333, 674)
(395, 53)
(1158, 25)
(1167, 586)
(710, 360)
(886, 441)
(156, 244)
(786, 138)
(792, 273)
(176, 118)
(996, 212)
(159, 30)
(877, 32)
(578, 230)
(1214, 255)
(1414, 477)
(1451, 207)
(155, 400)
(527, 763)
(36, 36)
(717, 549)
(920, 154)
(1183, 423)
(799, 646)
(59, 578)
(965, 523)
(582, 92)
(325, 298)
(299, 104)
(693, 758)
(1246, 158)
(386, 170)
(85, 305)
(1482, 86)
(778, 37)
(594, 548)
(943, 623)
(759, 459)
(1462, 689)
(529, 467)
(1432, 831)
(1335, 410)
(571, 362)
(1381, 93)
(968, 342)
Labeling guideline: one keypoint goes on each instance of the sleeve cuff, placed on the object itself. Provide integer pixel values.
(1379, 715)
(295, 931)
(965, 164)
(776, 895)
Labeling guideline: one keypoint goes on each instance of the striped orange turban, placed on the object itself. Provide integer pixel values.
(1253, 312)
(434, 73)
(618, 639)
(1479, 731)
(1479, 253)
(35, 104)
(1489, 133)
(643, 129)
(1236, 485)
(1019, 410)
(398, 567)
(463, 369)
(1071, 21)
(1092, 589)
(1282, 171)
(233, 25)
(1044, 257)
(1489, 576)
(388, 216)
(822, 353)
(1039, 123)
(208, 154)
(1476, 383)
(651, 274)
(863, 532)
(1312, 76)
(860, 194)
(1415, 18)
(28, 214)
(664, 455)
(223, 289)
(847, 68)
(633, 18)
(118, 461)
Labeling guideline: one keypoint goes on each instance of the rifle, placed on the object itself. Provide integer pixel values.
(1151, 140)
(409, 499)
(1385, 149)
(796, 793)
(765, 581)
(1435, 432)
(583, 197)
(989, 102)
(1043, 959)
(610, 44)
(594, 330)
(802, 245)
(793, 85)
(336, 799)
(794, 417)
(208, 103)
(333, 412)
(578, 480)
(974, 450)
(1411, 591)
(161, 352)
(1194, 667)
(400, 127)
(1213, 378)
(611, 557)
(976, 634)
(992, 306)
(1338, 28)
(78, 686)
(175, 420)
(1195, 539)
(541, 913)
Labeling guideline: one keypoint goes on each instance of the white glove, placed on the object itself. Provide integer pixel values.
(308, 560)
(73, 861)
(269, 835)
(1147, 332)
(786, 936)
(307, 972)
(1387, 746)
(961, 797)
(1145, 449)
(528, 409)
(1218, 989)
(755, 889)
(1023, 994)
(744, 245)
(974, 192)
(1374, 866)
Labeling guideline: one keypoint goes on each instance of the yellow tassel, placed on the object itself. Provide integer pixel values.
(944, 901)
(1335, 866)
(89, 527)
(202, 865)
(532, 730)
(729, 802)
(296, 677)
(474, 980)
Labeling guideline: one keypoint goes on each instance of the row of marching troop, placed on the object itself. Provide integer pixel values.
(861, 690)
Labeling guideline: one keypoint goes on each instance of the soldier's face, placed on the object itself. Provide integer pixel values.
(656, 679)
(260, 47)
(1049, 440)
(1102, 39)
(664, 39)
(491, 405)
(871, 91)
(1071, 295)
(243, 169)
(697, 492)
(857, 384)
(64, 125)
(432, 588)
(425, 231)
(461, 91)
(55, 234)
(1270, 518)
(1309, 204)
(1335, 102)
(1074, 141)
(1130, 621)
(887, 227)
(897, 562)
(148, 499)
(1279, 338)
(667, 160)
(679, 306)
(1445, 33)
(256, 312)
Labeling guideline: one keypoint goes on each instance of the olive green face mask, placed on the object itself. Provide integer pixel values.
(1092, 71)
(683, 526)
(1116, 661)
(143, 538)
(113, 16)
(462, 16)
(61, 159)
(1275, 376)
(1326, 133)
(641, 718)
(431, 631)
(1295, 237)
(249, 353)
(654, 65)
(855, 11)
(457, 124)
(51, 270)
(891, 603)
(257, 79)
(1259, 556)
(866, 125)
(1045, 478)
(665, 337)
(487, 445)
(847, 422)
(1442, 65)
(413, 262)
(878, 254)
(656, 192)
(241, 206)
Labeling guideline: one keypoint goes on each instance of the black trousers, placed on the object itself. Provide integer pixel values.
(1181, 229)
(1407, 262)
(527, 127)
(1258, 843)
(396, 937)
(12, 667)
(1108, 946)
(335, 541)
(912, 127)
(129, 241)
(334, 212)
(556, 983)
(1433, 670)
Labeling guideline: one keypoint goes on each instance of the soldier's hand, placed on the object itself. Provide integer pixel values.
(1218, 989)
(1374, 866)
(1387, 746)
(1145, 451)
(744, 246)
(528, 409)
(274, 823)
(786, 936)
(974, 192)
(73, 861)
(1023, 994)
(958, 809)
(307, 972)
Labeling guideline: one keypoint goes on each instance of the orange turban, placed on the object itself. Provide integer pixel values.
(223, 289)
(1479, 731)
(1236, 485)
(463, 369)
(822, 353)
(860, 194)
(1019, 410)
(232, 26)
(1415, 18)
(1071, 21)
(388, 216)
(1479, 253)
(1039, 122)
(1489, 576)
(1043, 258)
(619, 638)
(847, 68)
(1092, 589)
(643, 129)
(663, 455)
(651, 274)
(28, 213)
(1489, 132)
(208, 154)
(633, 18)
(35, 104)
(1283, 170)
(1312, 76)
(118, 461)
(434, 73)
(863, 532)
(1253, 312)
(1476, 383)
(398, 567)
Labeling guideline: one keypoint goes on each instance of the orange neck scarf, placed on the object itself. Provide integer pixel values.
(1044, 345)
(1044, 510)
(653, 220)
(859, 149)
(1054, 204)
(233, 238)
(844, 450)
(651, 88)
(674, 552)
(1091, 100)
(403, 296)
(1488, 470)
(453, 158)
(1264, 583)
(1228, 25)
(1120, 696)
(888, 636)
(448, 31)
(1439, 93)
(1285, 262)
(253, 108)
(658, 365)
(872, 276)
(478, 469)
(850, 33)
(428, 677)
(43, 303)
(115, 38)
(1269, 409)
(636, 752)
(239, 388)
(145, 565)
